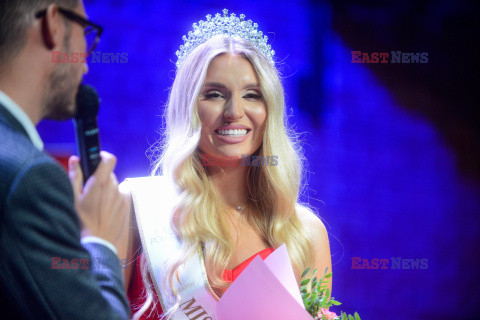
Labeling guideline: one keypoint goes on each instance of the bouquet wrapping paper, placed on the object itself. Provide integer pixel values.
(264, 290)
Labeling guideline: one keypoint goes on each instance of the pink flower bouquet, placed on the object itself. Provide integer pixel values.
(267, 289)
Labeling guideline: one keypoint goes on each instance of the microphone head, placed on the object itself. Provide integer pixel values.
(87, 102)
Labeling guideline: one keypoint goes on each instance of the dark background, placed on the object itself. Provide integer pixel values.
(393, 149)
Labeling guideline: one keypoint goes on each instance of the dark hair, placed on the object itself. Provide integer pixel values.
(15, 18)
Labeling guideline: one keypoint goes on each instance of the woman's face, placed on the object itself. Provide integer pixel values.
(231, 108)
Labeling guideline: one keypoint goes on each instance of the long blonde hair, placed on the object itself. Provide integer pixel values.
(273, 190)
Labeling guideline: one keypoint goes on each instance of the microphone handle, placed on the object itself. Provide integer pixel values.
(88, 144)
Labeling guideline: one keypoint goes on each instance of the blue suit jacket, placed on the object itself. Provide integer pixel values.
(45, 272)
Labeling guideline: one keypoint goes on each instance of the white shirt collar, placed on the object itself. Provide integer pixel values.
(24, 120)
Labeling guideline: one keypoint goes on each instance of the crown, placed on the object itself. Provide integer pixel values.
(229, 25)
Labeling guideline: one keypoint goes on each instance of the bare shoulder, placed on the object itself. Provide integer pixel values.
(313, 224)
(322, 259)
(124, 189)
(132, 234)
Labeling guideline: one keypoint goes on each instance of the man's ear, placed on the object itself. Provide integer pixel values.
(52, 27)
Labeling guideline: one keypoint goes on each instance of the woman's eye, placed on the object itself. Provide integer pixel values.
(212, 95)
(253, 96)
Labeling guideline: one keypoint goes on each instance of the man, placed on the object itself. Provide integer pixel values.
(46, 272)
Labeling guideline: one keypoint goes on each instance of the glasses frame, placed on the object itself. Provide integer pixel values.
(85, 23)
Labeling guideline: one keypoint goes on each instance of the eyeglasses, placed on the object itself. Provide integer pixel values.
(92, 31)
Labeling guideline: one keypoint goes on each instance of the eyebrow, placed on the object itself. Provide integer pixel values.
(221, 85)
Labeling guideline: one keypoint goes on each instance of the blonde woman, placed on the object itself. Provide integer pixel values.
(225, 188)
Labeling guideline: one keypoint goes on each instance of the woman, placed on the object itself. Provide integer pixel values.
(230, 179)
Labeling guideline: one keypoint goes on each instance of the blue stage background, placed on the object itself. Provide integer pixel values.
(381, 176)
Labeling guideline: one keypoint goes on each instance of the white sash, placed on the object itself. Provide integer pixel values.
(154, 199)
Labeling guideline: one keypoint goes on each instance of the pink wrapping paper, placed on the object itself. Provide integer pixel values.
(264, 290)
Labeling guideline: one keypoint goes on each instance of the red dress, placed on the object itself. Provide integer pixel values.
(136, 290)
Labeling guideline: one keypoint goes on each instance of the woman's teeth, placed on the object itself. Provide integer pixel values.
(233, 133)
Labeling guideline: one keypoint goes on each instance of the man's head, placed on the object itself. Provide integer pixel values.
(33, 38)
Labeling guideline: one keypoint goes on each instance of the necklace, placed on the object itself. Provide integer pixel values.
(241, 208)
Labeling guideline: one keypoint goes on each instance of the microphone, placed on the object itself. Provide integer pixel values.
(86, 129)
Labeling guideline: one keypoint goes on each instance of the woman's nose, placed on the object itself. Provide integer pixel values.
(234, 108)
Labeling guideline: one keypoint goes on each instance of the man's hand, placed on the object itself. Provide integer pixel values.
(102, 209)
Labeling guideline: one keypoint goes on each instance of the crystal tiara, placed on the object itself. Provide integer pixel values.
(230, 25)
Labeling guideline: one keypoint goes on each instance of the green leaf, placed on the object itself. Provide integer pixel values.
(304, 282)
(317, 295)
(305, 272)
(327, 293)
